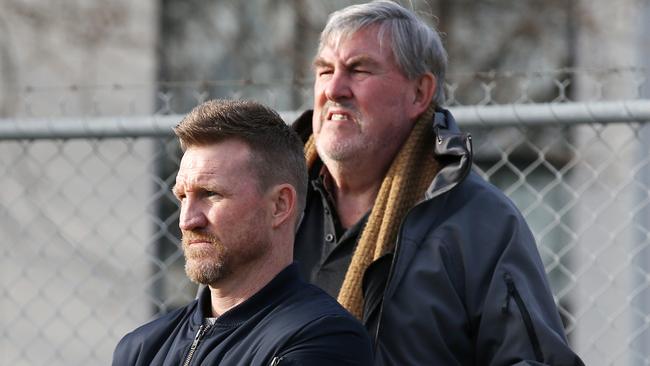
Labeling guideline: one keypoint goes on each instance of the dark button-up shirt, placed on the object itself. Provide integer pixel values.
(324, 248)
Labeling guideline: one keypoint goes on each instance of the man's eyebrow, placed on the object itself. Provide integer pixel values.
(362, 60)
(320, 62)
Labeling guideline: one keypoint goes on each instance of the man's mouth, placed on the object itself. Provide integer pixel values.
(190, 238)
(338, 117)
(198, 241)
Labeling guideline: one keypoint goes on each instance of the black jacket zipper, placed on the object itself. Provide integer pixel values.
(525, 315)
(199, 335)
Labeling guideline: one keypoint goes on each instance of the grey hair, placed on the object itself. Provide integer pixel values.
(416, 46)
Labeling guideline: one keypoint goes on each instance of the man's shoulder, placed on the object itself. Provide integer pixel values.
(315, 329)
(291, 302)
(477, 193)
(310, 310)
(310, 303)
(475, 213)
(154, 331)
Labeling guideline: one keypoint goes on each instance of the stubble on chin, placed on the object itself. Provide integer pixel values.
(335, 150)
(344, 148)
(205, 265)
(330, 145)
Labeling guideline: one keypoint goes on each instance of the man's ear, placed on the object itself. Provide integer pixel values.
(283, 206)
(425, 88)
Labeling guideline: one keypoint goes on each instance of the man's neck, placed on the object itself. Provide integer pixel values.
(354, 189)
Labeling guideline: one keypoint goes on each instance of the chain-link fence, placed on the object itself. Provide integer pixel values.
(90, 243)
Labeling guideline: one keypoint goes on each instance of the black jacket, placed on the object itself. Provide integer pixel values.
(288, 322)
(466, 285)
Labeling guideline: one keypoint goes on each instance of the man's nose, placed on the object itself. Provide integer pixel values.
(192, 216)
(338, 86)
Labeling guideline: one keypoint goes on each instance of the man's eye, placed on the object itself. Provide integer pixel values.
(211, 194)
(322, 72)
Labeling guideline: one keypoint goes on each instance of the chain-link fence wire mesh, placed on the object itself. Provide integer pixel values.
(90, 244)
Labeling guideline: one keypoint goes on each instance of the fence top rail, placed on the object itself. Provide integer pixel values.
(624, 111)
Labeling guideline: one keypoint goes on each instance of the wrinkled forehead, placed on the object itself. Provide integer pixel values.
(230, 162)
(225, 157)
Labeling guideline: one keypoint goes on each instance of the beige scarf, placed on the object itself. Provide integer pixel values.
(407, 179)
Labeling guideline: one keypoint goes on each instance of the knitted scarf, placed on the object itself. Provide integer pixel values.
(404, 185)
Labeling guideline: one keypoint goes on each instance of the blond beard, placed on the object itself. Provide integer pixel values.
(205, 265)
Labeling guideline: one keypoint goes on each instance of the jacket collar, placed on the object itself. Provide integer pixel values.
(282, 285)
(303, 126)
(453, 150)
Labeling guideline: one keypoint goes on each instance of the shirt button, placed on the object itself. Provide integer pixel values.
(329, 238)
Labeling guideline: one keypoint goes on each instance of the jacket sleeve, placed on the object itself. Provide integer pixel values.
(125, 354)
(331, 340)
(471, 290)
(515, 319)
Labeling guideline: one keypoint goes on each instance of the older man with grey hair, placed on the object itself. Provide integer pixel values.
(439, 265)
